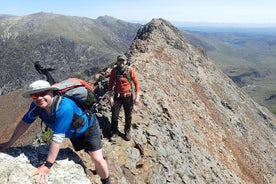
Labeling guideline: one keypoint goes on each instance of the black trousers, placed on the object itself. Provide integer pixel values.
(127, 103)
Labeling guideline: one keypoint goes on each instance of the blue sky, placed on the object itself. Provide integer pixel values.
(218, 11)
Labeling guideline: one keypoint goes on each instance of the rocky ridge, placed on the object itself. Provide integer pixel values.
(193, 125)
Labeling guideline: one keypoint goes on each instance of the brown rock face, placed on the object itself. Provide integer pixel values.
(193, 125)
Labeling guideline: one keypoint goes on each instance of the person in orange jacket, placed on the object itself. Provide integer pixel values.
(121, 94)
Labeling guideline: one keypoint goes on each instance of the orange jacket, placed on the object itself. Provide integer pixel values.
(122, 85)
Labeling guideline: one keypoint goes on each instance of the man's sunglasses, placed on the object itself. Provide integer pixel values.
(41, 94)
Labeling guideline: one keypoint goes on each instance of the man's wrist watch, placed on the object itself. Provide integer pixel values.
(48, 164)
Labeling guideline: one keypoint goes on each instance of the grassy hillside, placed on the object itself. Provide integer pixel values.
(246, 57)
(74, 46)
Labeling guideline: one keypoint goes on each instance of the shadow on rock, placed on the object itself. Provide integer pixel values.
(38, 155)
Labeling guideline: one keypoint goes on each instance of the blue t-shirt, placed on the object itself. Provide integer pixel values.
(61, 124)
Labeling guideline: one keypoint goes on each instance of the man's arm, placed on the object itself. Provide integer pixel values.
(20, 129)
(137, 99)
(111, 80)
(53, 152)
(44, 169)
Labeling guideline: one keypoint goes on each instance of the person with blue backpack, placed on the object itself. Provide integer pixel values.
(63, 119)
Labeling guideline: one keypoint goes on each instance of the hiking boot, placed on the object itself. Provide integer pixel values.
(114, 134)
(127, 135)
(106, 181)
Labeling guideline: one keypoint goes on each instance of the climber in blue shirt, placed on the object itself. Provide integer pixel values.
(64, 114)
(66, 120)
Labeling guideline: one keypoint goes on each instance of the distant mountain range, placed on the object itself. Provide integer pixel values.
(78, 46)
(246, 55)
(268, 29)
(74, 46)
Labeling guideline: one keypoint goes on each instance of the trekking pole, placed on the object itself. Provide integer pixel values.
(45, 71)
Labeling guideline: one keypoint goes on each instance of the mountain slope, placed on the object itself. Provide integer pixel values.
(193, 125)
(74, 46)
(248, 57)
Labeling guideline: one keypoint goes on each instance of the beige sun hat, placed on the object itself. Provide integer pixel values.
(37, 87)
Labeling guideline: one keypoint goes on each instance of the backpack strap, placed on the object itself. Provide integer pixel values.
(38, 112)
(77, 118)
(129, 77)
(125, 74)
(56, 101)
(127, 71)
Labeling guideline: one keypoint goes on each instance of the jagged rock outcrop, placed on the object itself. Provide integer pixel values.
(18, 164)
(193, 125)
